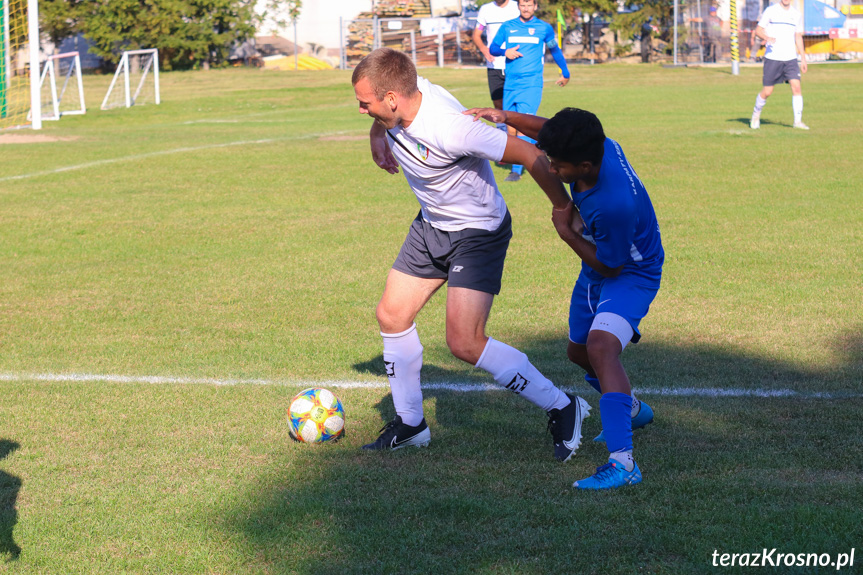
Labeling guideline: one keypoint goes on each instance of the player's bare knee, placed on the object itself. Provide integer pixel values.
(601, 350)
(577, 354)
(390, 322)
(465, 348)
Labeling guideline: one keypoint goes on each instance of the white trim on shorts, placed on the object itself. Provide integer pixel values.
(614, 324)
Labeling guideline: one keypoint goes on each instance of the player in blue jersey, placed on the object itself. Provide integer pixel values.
(612, 227)
(524, 41)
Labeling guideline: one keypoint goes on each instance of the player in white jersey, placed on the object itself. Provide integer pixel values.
(488, 19)
(460, 237)
(781, 29)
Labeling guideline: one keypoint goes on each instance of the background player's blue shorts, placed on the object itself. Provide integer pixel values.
(523, 101)
(626, 296)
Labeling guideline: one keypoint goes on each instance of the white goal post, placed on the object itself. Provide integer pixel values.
(19, 64)
(143, 65)
(68, 65)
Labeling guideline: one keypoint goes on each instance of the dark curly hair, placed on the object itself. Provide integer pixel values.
(573, 136)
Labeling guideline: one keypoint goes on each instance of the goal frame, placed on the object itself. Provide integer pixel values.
(33, 53)
(123, 69)
(49, 72)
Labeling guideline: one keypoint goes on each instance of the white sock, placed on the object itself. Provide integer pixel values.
(797, 106)
(624, 457)
(759, 105)
(636, 405)
(403, 358)
(512, 370)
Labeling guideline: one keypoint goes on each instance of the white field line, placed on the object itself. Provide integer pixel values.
(99, 163)
(454, 386)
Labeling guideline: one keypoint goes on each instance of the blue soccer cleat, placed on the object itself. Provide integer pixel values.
(610, 476)
(641, 419)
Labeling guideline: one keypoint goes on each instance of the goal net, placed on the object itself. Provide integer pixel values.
(136, 80)
(60, 86)
(19, 64)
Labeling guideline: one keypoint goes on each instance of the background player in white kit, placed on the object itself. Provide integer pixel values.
(460, 237)
(488, 19)
(781, 29)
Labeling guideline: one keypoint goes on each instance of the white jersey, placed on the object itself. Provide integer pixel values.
(445, 157)
(490, 17)
(782, 24)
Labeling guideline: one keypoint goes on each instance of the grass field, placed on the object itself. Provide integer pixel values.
(173, 274)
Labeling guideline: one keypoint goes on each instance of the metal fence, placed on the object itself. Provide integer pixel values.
(429, 41)
(694, 33)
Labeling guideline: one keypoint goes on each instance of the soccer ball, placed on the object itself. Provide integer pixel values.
(316, 415)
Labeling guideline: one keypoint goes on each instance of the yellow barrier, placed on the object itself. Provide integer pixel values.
(301, 62)
(836, 45)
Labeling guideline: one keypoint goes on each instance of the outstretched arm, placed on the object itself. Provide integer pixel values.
(762, 33)
(569, 227)
(477, 39)
(527, 124)
(798, 40)
(381, 153)
(560, 60)
(520, 152)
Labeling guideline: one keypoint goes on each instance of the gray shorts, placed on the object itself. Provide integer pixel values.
(467, 258)
(779, 71)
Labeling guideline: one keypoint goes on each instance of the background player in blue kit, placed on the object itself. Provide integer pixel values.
(523, 41)
(612, 227)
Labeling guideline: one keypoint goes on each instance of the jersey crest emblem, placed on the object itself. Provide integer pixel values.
(423, 151)
(531, 31)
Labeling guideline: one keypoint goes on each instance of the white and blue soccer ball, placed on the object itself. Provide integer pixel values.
(316, 415)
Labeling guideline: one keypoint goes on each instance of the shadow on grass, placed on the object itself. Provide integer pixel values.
(9, 488)
(764, 122)
(655, 365)
(730, 473)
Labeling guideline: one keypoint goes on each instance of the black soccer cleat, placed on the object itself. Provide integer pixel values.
(565, 426)
(395, 435)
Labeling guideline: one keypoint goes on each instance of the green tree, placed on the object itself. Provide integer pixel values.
(188, 33)
(662, 12)
(281, 13)
(59, 19)
(575, 11)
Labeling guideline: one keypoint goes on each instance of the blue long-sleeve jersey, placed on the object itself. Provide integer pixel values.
(531, 37)
(619, 219)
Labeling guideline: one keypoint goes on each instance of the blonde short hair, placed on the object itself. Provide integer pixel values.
(387, 70)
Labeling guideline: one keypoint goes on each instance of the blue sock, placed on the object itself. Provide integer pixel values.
(594, 383)
(615, 409)
(518, 169)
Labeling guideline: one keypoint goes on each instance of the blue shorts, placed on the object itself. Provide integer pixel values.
(522, 100)
(628, 297)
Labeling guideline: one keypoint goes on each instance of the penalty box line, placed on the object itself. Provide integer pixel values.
(715, 392)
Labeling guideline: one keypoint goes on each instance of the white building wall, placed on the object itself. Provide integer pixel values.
(318, 22)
